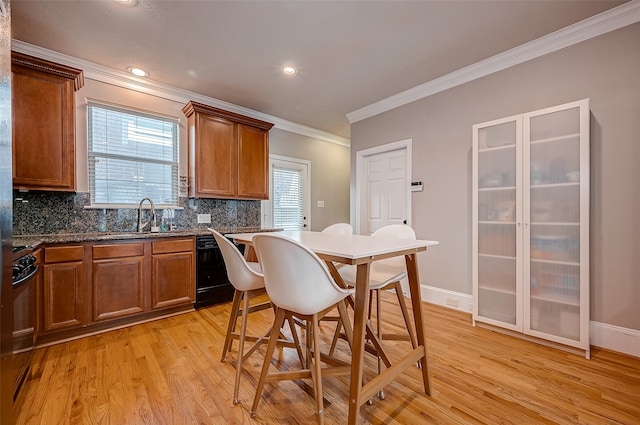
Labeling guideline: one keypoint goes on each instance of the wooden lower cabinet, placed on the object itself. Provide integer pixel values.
(94, 286)
(172, 281)
(118, 280)
(63, 287)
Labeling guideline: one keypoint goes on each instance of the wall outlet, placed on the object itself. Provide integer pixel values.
(452, 303)
(320, 204)
(204, 218)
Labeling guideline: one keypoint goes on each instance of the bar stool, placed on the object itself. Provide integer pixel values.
(248, 282)
(300, 284)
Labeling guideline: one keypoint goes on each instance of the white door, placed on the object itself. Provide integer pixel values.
(384, 189)
(289, 200)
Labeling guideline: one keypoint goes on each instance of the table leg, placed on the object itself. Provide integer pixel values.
(416, 302)
(359, 321)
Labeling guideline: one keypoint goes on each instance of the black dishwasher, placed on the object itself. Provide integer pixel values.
(212, 283)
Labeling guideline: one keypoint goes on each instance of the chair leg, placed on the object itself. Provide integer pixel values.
(278, 323)
(308, 338)
(336, 336)
(379, 333)
(316, 371)
(405, 314)
(231, 327)
(295, 337)
(243, 333)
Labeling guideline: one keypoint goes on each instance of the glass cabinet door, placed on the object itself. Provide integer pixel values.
(552, 177)
(497, 153)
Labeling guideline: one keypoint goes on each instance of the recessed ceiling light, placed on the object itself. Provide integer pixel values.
(289, 70)
(138, 71)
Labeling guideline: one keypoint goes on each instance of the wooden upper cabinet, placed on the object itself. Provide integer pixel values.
(43, 105)
(228, 154)
(253, 162)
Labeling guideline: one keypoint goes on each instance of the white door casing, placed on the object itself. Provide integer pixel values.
(383, 186)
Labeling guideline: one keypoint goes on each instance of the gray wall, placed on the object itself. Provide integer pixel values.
(329, 174)
(606, 70)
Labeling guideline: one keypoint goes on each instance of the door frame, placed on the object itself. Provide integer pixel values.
(361, 194)
(266, 206)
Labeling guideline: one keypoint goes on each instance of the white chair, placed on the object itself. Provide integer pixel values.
(339, 229)
(248, 282)
(299, 283)
(387, 274)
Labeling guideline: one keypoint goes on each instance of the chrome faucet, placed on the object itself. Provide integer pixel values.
(152, 220)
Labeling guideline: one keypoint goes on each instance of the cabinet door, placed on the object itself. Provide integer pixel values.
(43, 131)
(253, 162)
(118, 287)
(556, 216)
(63, 301)
(172, 281)
(213, 160)
(497, 240)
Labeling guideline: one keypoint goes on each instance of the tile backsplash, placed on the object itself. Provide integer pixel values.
(38, 213)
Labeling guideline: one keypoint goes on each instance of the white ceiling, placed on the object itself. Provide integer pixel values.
(349, 54)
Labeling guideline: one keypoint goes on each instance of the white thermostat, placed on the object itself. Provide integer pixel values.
(416, 186)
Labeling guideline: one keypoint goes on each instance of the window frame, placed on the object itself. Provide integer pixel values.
(91, 155)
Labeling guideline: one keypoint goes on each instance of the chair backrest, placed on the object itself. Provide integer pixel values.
(294, 277)
(339, 229)
(241, 276)
(400, 231)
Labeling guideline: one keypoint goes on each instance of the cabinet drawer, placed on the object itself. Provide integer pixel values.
(175, 245)
(60, 254)
(118, 250)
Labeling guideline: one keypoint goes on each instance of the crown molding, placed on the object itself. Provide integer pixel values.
(125, 80)
(610, 20)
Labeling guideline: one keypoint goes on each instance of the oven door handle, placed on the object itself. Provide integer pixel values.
(25, 278)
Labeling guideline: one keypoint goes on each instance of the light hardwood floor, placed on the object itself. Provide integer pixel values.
(169, 372)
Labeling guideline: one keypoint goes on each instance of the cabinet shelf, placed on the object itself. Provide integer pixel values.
(555, 223)
(497, 148)
(502, 257)
(496, 289)
(554, 185)
(575, 136)
(497, 222)
(568, 300)
(560, 263)
(492, 189)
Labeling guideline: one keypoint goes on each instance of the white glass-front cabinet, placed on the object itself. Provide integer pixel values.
(531, 224)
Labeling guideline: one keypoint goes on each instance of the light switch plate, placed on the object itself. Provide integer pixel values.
(204, 218)
(320, 204)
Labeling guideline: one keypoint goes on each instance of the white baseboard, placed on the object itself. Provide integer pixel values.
(446, 298)
(603, 335)
(615, 338)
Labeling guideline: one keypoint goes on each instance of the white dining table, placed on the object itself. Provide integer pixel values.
(361, 251)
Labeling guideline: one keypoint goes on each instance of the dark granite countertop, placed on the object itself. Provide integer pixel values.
(35, 240)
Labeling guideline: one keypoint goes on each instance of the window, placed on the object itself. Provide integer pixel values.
(288, 205)
(132, 155)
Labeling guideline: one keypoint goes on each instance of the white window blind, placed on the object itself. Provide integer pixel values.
(288, 209)
(132, 155)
